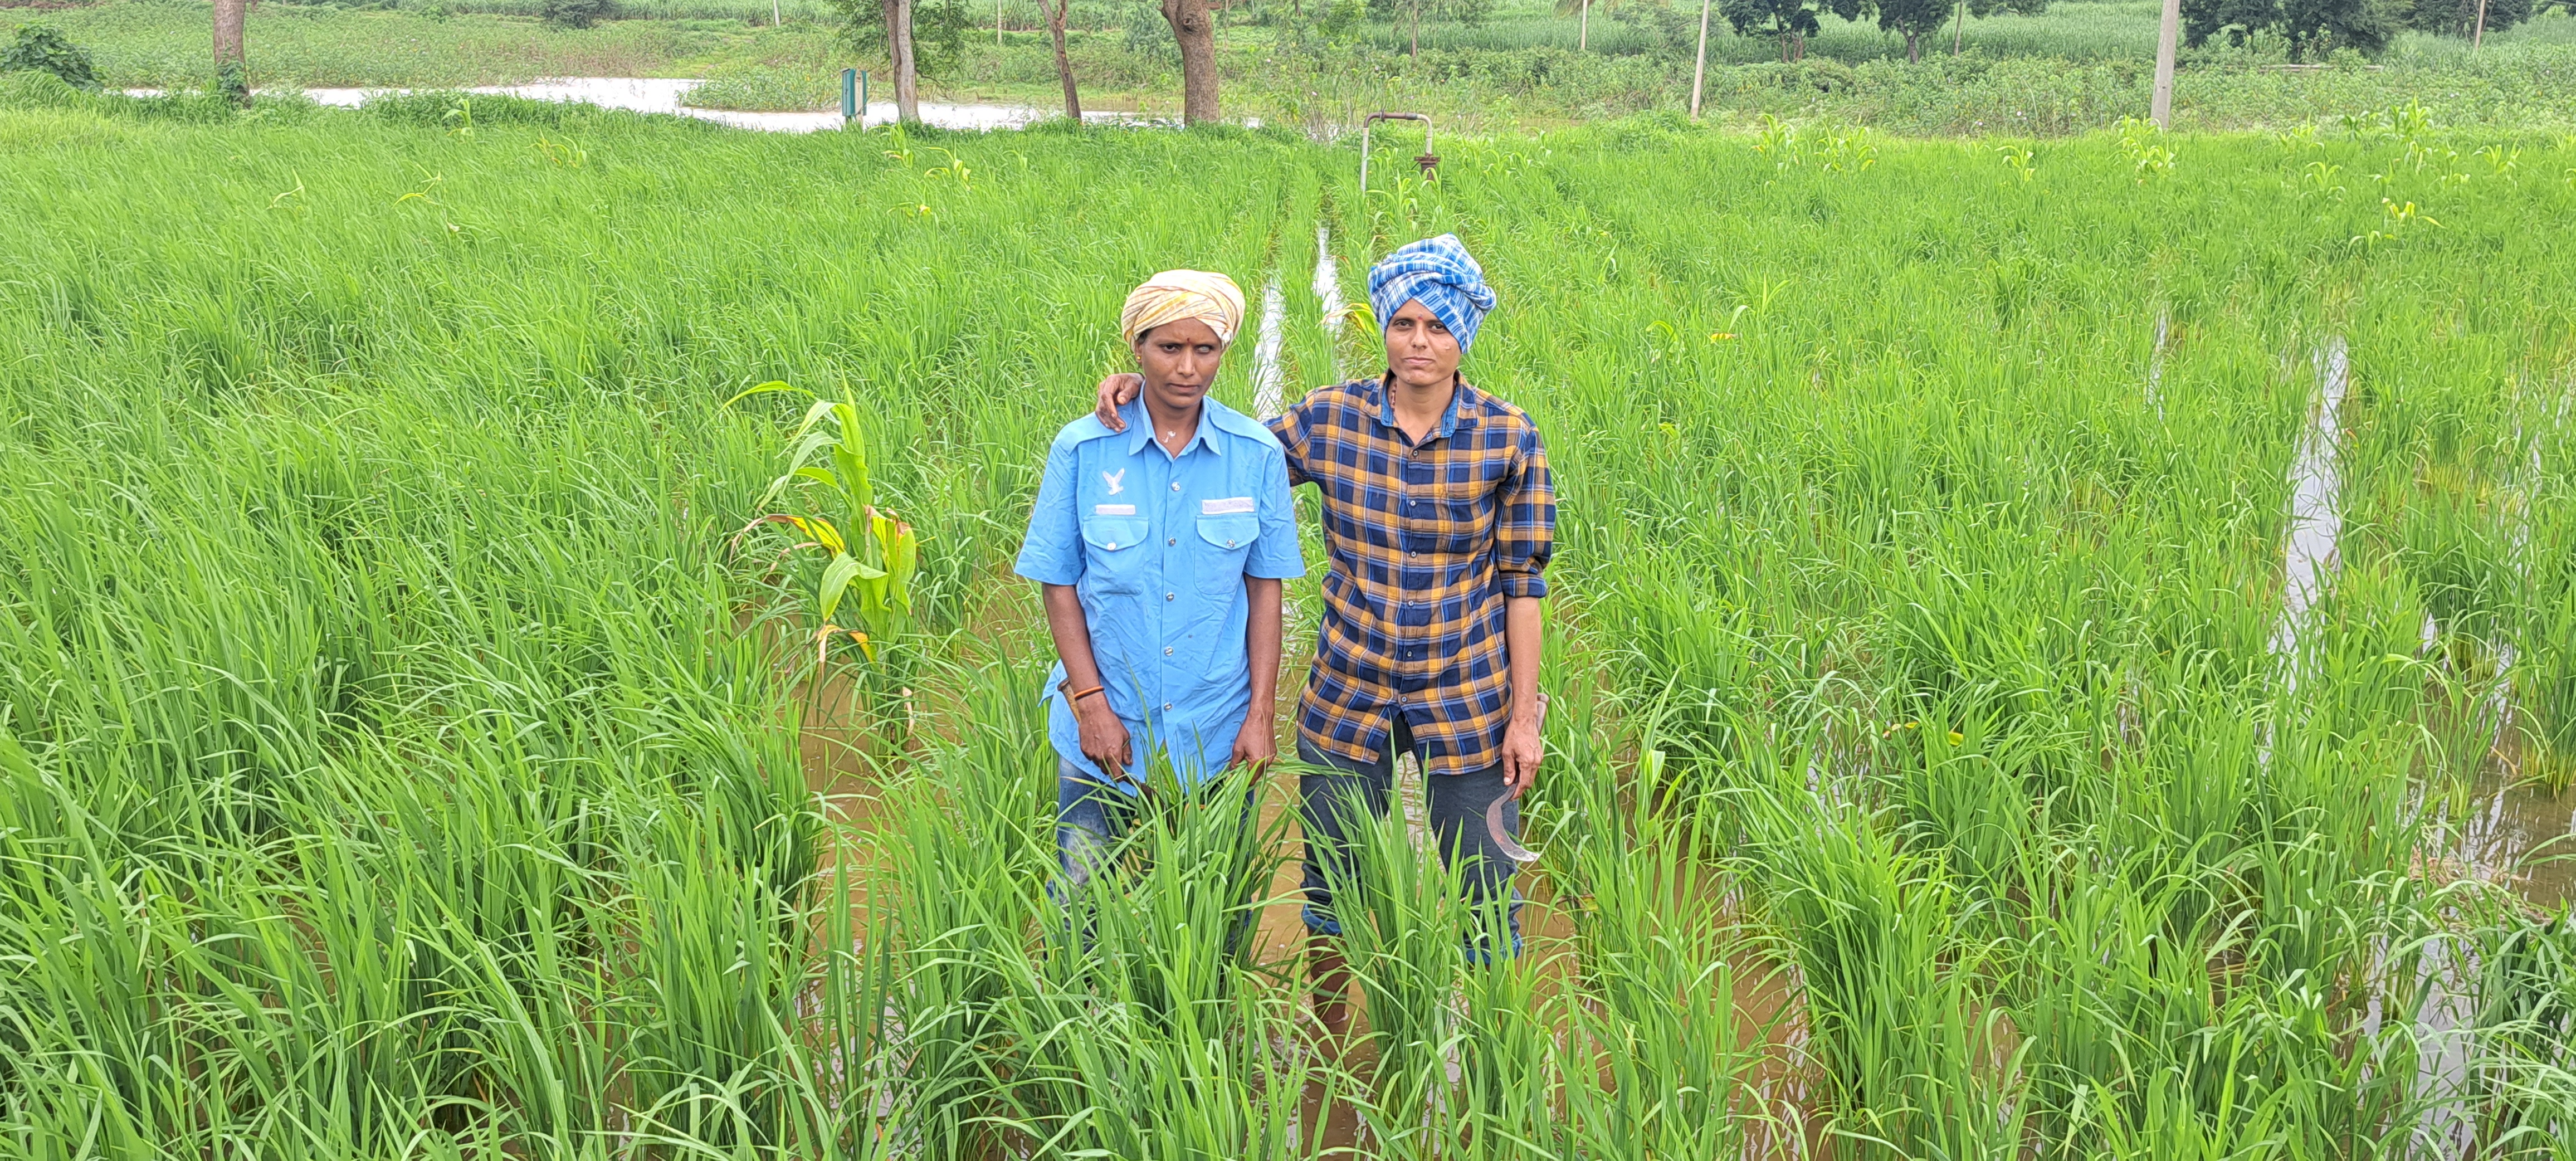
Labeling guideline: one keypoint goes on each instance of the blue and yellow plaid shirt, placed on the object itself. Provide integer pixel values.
(1426, 541)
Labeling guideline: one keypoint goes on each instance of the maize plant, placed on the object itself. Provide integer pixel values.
(872, 555)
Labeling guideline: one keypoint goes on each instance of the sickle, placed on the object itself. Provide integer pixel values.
(1503, 841)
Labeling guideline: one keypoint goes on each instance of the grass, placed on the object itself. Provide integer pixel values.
(400, 759)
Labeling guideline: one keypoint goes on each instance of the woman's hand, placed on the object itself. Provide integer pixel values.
(1104, 737)
(1521, 750)
(1256, 745)
(1117, 391)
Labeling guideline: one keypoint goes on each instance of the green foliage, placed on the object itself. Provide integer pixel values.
(43, 48)
(870, 556)
(1791, 22)
(939, 30)
(576, 13)
(2315, 28)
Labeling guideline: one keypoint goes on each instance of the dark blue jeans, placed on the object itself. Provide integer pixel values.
(1090, 818)
(1456, 803)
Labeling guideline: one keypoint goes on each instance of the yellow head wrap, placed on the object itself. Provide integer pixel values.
(1174, 295)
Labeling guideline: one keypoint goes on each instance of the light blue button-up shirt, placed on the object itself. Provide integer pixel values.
(1158, 546)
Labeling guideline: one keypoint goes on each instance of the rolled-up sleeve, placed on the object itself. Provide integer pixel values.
(1275, 553)
(1290, 428)
(1052, 554)
(1525, 522)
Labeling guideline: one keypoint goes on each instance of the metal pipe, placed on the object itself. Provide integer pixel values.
(1428, 158)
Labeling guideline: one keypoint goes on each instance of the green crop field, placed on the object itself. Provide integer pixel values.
(2078, 67)
(1960, 749)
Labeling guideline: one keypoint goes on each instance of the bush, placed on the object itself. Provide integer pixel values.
(43, 48)
(577, 13)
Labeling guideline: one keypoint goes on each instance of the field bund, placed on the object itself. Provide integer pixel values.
(1961, 746)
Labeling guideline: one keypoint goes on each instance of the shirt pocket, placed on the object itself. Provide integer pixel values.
(1224, 543)
(1113, 554)
(1460, 517)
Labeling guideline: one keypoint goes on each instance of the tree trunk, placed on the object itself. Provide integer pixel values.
(1063, 64)
(1417, 29)
(1196, 35)
(1583, 27)
(1959, 32)
(907, 78)
(232, 70)
(1913, 48)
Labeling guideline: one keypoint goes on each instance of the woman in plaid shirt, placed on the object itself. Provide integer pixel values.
(1439, 517)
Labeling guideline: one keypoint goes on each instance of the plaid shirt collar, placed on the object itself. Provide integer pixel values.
(1459, 416)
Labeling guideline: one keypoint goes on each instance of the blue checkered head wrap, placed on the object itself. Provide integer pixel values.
(1439, 274)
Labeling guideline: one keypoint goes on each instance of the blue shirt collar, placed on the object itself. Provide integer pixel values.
(1451, 419)
(1140, 427)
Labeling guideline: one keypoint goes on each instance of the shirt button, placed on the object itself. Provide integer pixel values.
(1167, 650)
(1167, 706)
(1176, 485)
(1171, 540)
(1170, 596)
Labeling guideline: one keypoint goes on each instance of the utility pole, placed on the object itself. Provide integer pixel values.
(2478, 38)
(1583, 27)
(1699, 65)
(2168, 42)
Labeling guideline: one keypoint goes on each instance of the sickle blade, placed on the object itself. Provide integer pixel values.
(1503, 841)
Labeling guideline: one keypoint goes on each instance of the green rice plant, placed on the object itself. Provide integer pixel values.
(1407, 932)
(2526, 995)
(1912, 1064)
(1660, 1052)
(1144, 1028)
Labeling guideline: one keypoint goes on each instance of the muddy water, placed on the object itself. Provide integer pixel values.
(1267, 381)
(664, 95)
(2309, 559)
(2523, 837)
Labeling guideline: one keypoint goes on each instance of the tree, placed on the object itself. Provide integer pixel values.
(1195, 31)
(1792, 21)
(1916, 19)
(1063, 64)
(2313, 27)
(897, 15)
(576, 13)
(868, 25)
(2460, 17)
(232, 70)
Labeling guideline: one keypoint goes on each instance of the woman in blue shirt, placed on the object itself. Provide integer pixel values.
(1160, 550)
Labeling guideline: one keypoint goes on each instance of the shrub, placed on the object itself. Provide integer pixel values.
(577, 13)
(43, 48)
